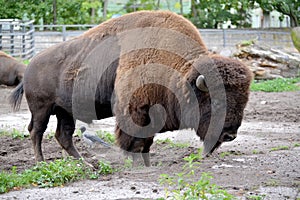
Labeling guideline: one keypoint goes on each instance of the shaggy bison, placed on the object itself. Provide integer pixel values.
(149, 69)
(11, 71)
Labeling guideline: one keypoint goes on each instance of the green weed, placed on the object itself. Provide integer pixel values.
(255, 151)
(255, 197)
(106, 136)
(172, 144)
(224, 154)
(276, 85)
(297, 145)
(50, 174)
(279, 148)
(183, 186)
(272, 183)
(128, 163)
(25, 62)
(14, 133)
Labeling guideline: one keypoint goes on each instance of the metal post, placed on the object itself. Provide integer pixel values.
(224, 38)
(0, 36)
(23, 40)
(12, 46)
(32, 44)
(64, 32)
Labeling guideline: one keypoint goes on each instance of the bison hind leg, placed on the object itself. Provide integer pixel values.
(134, 146)
(64, 131)
(37, 127)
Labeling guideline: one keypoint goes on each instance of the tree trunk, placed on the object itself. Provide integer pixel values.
(105, 2)
(92, 15)
(181, 7)
(158, 4)
(54, 3)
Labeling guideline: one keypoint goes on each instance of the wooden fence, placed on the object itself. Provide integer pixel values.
(48, 35)
(17, 38)
(213, 38)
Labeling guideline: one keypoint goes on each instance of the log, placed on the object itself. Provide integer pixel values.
(269, 63)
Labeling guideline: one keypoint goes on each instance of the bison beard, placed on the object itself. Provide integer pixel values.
(156, 38)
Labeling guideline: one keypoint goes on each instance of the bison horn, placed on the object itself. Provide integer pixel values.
(200, 83)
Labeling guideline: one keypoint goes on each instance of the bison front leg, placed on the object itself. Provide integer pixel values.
(135, 146)
(64, 132)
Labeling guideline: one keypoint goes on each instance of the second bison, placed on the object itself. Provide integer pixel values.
(149, 69)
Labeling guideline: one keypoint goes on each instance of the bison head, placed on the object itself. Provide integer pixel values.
(221, 86)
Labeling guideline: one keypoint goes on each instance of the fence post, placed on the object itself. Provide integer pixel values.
(224, 38)
(23, 40)
(12, 46)
(0, 36)
(64, 32)
(32, 44)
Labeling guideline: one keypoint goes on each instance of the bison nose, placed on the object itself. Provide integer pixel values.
(229, 137)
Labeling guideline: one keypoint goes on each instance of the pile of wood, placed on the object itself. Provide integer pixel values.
(269, 63)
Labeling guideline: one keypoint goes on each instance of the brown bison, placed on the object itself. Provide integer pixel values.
(149, 69)
(11, 71)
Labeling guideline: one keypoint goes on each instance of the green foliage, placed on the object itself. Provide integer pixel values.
(104, 168)
(14, 133)
(285, 7)
(133, 5)
(67, 11)
(50, 174)
(172, 144)
(25, 62)
(213, 13)
(276, 85)
(184, 186)
(279, 148)
(106, 136)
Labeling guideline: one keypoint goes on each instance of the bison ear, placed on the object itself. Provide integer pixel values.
(200, 83)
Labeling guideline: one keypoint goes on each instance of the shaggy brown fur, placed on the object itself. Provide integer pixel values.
(11, 71)
(236, 78)
(146, 37)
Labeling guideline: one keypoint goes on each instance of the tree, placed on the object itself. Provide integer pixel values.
(213, 13)
(290, 8)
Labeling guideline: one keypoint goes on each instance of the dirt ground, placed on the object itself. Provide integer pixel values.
(249, 167)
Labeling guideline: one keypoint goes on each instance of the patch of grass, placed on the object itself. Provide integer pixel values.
(184, 187)
(106, 136)
(279, 148)
(128, 163)
(25, 62)
(255, 151)
(172, 144)
(50, 174)
(14, 133)
(297, 145)
(272, 183)
(50, 135)
(276, 85)
(224, 154)
(256, 197)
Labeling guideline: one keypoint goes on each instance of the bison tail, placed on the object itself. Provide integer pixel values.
(16, 97)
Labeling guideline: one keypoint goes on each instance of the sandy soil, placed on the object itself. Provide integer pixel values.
(271, 120)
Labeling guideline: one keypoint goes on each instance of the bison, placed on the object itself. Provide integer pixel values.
(150, 69)
(11, 71)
